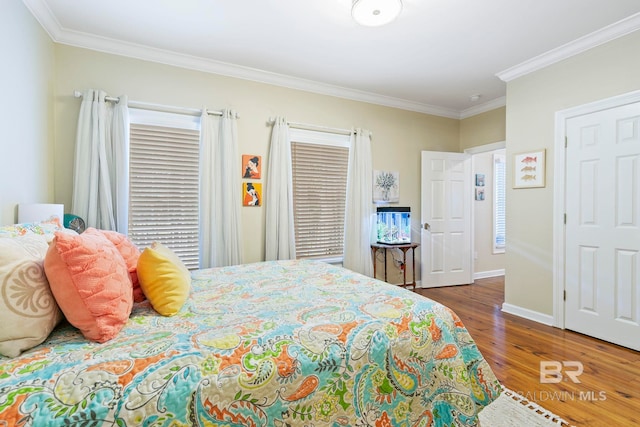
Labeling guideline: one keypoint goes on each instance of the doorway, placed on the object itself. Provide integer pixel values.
(488, 162)
(452, 239)
(597, 262)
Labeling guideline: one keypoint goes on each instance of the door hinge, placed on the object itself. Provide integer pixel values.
(564, 295)
(565, 219)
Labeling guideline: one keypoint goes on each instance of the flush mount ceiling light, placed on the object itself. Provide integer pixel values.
(373, 13)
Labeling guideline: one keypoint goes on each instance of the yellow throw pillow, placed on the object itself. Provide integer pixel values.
(164, 279)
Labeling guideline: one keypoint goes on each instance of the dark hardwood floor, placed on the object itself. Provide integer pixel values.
(608, 393)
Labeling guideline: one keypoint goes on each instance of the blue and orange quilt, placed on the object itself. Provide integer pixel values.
(282, 343)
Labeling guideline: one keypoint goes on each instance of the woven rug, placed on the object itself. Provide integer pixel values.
(512, 409)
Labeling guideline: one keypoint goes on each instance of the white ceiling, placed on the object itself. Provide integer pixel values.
(431, 59)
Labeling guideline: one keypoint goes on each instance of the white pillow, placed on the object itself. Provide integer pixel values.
(46, 228)
(28, 310)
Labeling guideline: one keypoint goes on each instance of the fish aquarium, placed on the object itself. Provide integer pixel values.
(394, 225)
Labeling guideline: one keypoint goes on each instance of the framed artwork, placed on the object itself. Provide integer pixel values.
(251, 166)
(529, 169)
(479, 193)
(479, 180)
(386, 186)
(251, 194)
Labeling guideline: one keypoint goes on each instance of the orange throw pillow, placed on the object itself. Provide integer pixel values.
(130, 253)
(90, 282)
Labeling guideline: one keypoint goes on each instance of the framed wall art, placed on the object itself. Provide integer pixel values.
(251, 194)
(251, 166)
(529, 169)
(386, 186)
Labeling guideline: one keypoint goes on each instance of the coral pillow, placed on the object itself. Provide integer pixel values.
(164, 279)
(90, 281)
(130, 253)
(28, 311)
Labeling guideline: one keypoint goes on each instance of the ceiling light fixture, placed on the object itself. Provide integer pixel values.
(373, 13)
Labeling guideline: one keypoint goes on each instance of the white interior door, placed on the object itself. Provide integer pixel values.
(602, 240)
(446, 219)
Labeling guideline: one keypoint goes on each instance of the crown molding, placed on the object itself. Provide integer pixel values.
(191, 62)
(483, 108)
(582, 44)
(40, 10)
(48, 21)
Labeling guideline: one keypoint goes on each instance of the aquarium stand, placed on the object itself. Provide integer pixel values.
(375, 247)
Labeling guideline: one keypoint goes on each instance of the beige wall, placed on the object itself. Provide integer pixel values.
(532, 101)
(483, 128)
(26, 84)
(398, 135)
(45, 74)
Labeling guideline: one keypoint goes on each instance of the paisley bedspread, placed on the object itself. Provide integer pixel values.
(280, 343)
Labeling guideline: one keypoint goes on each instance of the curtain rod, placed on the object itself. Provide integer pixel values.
(159, 107)
(318, 128)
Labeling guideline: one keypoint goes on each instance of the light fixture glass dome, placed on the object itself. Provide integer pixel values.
(373, 13)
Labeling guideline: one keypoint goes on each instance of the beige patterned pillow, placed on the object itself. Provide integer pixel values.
(28, 311)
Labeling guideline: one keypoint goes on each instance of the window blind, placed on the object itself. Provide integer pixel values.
(499, 205)
(164, 189)
(319, 175)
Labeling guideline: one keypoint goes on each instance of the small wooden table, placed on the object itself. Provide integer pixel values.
(404, 248)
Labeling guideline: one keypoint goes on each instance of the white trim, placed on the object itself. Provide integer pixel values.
(306, 136)
(561, 118)
(558, 219)
(582, 44)
(527, 314)
(163, 118)
(48, 21)
(487, 274)
(42, 13)
(191, 62)
(486, 148)
(483, 108)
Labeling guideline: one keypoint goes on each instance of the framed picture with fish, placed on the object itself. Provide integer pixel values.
(529, 169)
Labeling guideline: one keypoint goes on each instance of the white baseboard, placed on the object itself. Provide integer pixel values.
(490, 273)
(528, 314)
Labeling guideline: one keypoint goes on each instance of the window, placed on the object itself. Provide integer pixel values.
(499, 209)
(164, 182)
(319, 163)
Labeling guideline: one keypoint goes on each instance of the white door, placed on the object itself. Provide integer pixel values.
(446, 219)
(602, 240)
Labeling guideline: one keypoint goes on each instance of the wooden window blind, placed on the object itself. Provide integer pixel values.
(319, 193)
(164, 189)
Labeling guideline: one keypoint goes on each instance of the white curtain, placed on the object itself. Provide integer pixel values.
(100, 177)
(220, 191)
(359, 208)
(280, 235)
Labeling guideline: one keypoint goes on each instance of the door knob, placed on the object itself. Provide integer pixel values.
(426, 226)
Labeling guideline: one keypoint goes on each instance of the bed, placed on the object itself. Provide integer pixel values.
(281, 343)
